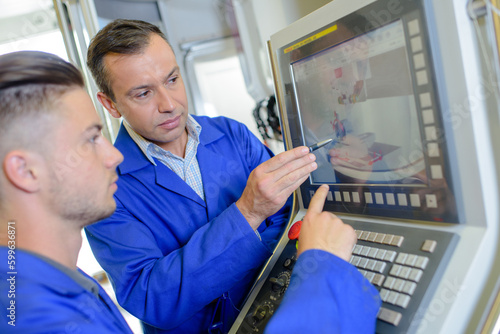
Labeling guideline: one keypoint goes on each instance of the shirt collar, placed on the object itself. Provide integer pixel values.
(147, 147)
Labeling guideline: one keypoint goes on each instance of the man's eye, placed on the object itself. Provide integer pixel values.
(143, 94)
(93, 139)
(173, 79)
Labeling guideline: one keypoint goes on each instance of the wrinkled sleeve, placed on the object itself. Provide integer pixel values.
(164, 290)
(166, 281)
(326, 295)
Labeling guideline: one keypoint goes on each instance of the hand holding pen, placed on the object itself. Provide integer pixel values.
(319, 145)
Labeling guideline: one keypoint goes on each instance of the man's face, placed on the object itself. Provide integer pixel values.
(150, 93)
(83, 163)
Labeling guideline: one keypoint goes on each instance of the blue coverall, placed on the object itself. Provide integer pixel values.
(47, 300)
(170, 254)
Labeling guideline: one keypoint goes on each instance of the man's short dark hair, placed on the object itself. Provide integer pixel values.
(30, 84)
(121, 37)
(23, 68)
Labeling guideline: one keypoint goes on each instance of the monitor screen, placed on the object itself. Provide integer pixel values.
(370, 86)
(360, 94)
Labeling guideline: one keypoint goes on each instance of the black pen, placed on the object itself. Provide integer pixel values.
(320, 144)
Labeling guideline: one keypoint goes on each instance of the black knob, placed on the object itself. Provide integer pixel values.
(260, 313)
(289, 263)
(278, 283)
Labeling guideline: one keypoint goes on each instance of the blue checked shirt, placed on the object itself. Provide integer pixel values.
(187, 168)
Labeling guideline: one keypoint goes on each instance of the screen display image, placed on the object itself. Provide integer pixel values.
(360, 94)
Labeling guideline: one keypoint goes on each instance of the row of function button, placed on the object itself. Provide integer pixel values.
(377, 267)
(380, 238)
(425, 98)
(393, 240)
(408, 268)
(391, 283)
(380, 198)
(411, 260)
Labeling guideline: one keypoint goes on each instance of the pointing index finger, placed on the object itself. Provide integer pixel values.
(318, 200)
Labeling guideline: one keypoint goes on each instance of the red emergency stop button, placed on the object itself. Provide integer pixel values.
(294, 231)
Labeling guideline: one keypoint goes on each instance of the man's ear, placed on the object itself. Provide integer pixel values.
(23, 169)
(108, 104)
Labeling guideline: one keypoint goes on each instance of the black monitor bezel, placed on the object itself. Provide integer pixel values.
(340, 199)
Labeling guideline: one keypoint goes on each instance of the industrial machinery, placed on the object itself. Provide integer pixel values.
(405, 92)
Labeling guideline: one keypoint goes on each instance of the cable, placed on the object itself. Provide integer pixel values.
(272, 117)
(270, 127)
(261, 126)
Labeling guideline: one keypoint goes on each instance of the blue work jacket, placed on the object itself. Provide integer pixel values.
(326, 295)
(170, 254)
(36, 297)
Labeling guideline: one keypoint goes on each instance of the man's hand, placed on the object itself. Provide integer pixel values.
(272, 182)
(323, 230)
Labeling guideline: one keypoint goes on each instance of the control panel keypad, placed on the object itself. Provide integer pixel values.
(403, 263)
(396, 274)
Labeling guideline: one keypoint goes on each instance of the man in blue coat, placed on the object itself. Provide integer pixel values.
(199, 200)
(58, 175)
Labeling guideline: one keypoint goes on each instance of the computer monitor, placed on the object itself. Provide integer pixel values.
(370, 87)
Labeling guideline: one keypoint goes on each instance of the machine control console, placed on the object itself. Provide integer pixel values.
(403, 263)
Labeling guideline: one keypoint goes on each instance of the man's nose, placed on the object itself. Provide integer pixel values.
(165, 101)
(113, 157)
